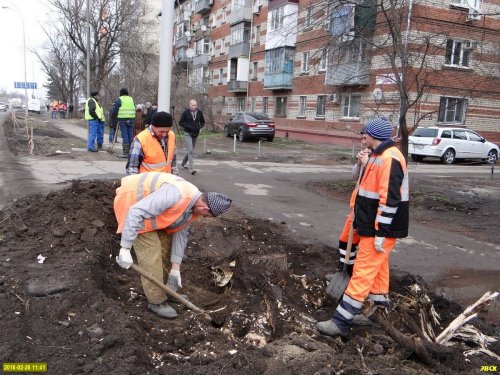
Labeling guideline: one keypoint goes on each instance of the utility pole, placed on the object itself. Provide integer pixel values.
(166, 45)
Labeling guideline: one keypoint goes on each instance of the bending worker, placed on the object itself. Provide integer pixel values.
(381, 214)
(153, 149)
(153, 210)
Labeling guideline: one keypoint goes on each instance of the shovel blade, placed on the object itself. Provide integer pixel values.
(338, 284)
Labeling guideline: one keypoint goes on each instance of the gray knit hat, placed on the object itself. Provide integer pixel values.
(218, 203)
(378, 128)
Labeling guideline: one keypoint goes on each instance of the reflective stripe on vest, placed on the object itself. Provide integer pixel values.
(127, 109)
(135, 187)
(98, 110)
(154, 157)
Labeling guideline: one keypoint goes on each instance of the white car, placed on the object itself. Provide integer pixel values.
(450, 144)
(3, 107)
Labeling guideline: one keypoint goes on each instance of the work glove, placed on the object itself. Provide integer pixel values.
(174, 281)
(124, 259)
(379, 244)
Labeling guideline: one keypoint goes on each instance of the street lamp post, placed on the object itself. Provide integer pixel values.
(14, 8)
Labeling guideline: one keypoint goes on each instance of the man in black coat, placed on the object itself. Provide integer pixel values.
(191, 121)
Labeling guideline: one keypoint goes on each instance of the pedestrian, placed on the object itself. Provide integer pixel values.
(153, 149)
(94, 114)
(71, 108)
(112, 122)
(62, 110)
(124, 110)
(55, 110)
(150, 113)
(191, 121)
(153, 210)
(381, 215)
(139, 119)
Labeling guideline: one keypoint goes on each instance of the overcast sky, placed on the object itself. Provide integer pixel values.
(34, 13)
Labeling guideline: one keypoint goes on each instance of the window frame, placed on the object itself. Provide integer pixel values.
(302, 106)
(457, 111)
(276, 16)
(265, 104)
(304, 63)
(281, 106)
(349, 106)
(451, 54)
(321, 106)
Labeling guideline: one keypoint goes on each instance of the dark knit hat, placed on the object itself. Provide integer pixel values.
(123, 91)
(218, 203)
(378, 128)
(162, 120)
(94, 93)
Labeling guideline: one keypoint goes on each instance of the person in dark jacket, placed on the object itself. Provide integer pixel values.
(150, 114)
(191, 121)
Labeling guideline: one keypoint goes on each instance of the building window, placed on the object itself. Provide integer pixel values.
(452, 110)
(229, 105)
(221, 76)
(277, 18)
(211, 77)
(222, 46)
(456, 53)
(224, 15)
(302, 106)
(351, 105)
(240, 33)
(254, 72)
(280, 106)
(308, 18)
(203, 46)
(253, 104)
(257, 34)
(353, 52)
(320, 106)
(240, 104)
(265, 104)
(212, 49)
(343, 22)
(322, 61)
(304, 67)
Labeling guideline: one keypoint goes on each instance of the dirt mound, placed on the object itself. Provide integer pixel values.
(81, 313)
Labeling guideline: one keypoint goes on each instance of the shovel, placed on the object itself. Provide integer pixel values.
(171, 293)
(339, 281)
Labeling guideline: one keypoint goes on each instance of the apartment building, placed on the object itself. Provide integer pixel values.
(322, 68)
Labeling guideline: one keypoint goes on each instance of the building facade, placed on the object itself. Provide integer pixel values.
(322, 68)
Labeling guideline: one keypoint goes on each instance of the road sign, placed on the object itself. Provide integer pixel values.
(25, 85)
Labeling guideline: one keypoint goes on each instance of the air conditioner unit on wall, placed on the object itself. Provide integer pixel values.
(256, 9)
(473, 15)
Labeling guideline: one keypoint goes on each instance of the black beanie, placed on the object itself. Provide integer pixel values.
(162, 120)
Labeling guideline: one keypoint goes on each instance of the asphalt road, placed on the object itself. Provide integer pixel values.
(278, 192)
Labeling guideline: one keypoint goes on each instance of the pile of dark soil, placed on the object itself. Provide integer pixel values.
(81, 313)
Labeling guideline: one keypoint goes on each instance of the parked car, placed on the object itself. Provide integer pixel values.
(3, 107)
(248, 125)
(450, 144)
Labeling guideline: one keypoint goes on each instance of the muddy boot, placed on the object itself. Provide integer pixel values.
(126, 150)
(361, 320)
(99, 147)
(328, 327)
(163, 310)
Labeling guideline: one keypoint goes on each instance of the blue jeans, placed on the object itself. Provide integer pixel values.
(127, 130)
(96, 132)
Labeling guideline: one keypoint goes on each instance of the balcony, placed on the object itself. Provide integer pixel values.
(348, 74)
(203, 6)
(198, 34)
(237, 86)
(182, 42)
(240, 49)
(201, 60)
(278, 81)
(241, 14)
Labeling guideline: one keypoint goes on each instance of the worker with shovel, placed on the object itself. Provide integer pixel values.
(153, 209)
(381, 215)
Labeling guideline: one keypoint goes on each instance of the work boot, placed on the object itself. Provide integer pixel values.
(99, 147)
(328, 327)
(163, 310)
(361, 320)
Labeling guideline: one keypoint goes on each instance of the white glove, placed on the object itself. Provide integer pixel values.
(124, 259)
(379, 244)
(174, 281)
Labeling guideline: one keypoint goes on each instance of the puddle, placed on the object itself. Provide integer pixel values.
(467, 286)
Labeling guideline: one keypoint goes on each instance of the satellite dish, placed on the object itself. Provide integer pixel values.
(190, 52)
(378, 95)
(203, 28)
(187, 33)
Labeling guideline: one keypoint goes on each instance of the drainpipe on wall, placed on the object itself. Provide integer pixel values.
(249, 56)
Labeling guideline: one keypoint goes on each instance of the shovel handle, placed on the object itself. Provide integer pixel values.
(169, 291)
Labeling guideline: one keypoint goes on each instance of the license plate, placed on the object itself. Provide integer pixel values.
(262, 126)
(419, 147)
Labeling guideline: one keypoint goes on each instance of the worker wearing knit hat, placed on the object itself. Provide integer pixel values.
(378, 128)
(162, 120)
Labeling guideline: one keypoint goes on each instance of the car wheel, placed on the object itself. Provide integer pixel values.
(241, 136)
(492, 156)
(416, 158)
(270, 139)
(448, 156)
(226, 131)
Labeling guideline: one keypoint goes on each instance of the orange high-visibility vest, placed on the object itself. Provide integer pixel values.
(155, 159)
(138, 186)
